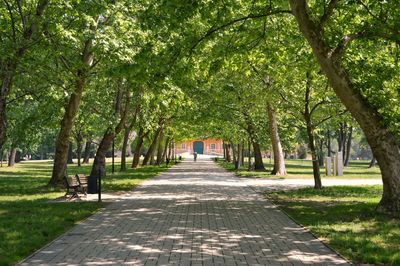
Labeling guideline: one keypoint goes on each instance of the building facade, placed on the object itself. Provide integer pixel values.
(205, 146)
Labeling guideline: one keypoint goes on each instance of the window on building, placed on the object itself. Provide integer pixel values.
(212, 146)
(183, 146)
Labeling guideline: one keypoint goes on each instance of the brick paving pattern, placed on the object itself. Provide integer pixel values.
(194, 214)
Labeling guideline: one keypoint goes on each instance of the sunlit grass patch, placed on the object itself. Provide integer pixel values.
(28, 220)
(303, 169)
(345, 217)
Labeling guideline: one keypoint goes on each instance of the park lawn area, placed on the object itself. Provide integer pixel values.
(28, 220)
(344, 217)
(302, 169)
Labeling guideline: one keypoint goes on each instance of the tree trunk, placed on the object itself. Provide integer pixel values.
(242, 153)
(138, 147)
(348, 146)
(372, 163)
(224, 149)
(227, 153)
(86, 153)
(11, 157)
(127, 132)
(249, 155)
(99, 164)
(310, 135)
(279, 160)
(160, 150)
(164, 155)
(170, 150)
(233, 153)
(60, 156)
(321, 153)
(150, 153)
(258, 161)
(329, 143)
(70, 154)
(79, 151)
(239, 156)
(383, 142)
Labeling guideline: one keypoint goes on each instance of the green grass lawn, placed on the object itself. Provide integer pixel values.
(303, 169)
(344, 217)
(28, 220)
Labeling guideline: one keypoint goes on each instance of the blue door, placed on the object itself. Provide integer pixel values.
(198, 146)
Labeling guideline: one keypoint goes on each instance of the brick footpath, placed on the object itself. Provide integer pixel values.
(194, 214)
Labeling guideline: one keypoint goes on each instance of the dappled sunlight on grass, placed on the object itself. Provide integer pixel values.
(28, 220)
(345, 217)
(302, 169)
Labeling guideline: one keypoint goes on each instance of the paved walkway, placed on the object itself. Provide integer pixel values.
(193, 214)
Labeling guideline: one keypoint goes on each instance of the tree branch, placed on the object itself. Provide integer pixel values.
(329, 117)
(12, 20)
(211, 31)
(316, 106)
(327, 13)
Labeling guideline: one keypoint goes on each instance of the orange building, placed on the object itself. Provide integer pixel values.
(205, 146)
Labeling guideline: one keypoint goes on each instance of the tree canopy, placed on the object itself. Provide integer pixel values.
(279, 75)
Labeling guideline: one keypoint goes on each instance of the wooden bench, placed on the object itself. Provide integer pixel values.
(72, 186)
(75, 184)
(83, 182)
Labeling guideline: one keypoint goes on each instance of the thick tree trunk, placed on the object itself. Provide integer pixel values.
(279, 159)
(258, 161)
(70, 154)
(11, 157)
(372, 163)
(138, 148)
(71, 109)
(86, 153)
(99, 164)
(384, 145)
(150, 152)
(348, 146)
(160, 150)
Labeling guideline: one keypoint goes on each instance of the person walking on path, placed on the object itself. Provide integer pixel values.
(195, 156)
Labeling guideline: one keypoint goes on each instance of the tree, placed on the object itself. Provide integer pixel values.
(20, 31)
(382, 139)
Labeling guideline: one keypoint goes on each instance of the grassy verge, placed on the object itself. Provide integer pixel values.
(344, 217)
(303, 169)
(28, 220)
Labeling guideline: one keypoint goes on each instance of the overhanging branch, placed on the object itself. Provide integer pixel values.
(211, 31)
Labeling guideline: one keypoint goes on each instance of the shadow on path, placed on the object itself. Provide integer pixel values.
(194, 214)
